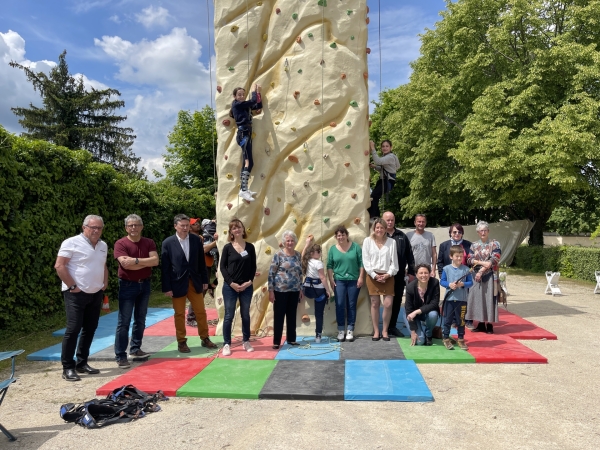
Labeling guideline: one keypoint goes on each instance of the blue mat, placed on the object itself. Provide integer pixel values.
(53, 353)
(109, 321)
(325, 351)
(397, 381)
(400, 324)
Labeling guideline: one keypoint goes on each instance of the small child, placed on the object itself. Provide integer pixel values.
(455, 302)
(242, 111)
(315, 283)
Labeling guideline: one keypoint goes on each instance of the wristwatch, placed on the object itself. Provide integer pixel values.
(72, 287)
(137, 260)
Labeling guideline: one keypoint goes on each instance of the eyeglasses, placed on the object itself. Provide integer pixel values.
(456, 232)
(483, 231)
(94, 228)
(134, 225)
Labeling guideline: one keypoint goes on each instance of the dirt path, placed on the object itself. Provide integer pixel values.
(495, 406)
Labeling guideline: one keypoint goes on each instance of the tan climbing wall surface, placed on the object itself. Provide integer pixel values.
(310, 167)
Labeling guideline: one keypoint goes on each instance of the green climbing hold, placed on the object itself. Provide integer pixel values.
(354, 103)
(333, 45)
(325, 193)
(295, 16)
(310, 167)
(326, 219)
(348, 123)
(330, 139)
(351, 38)
(299, 70)
(347, 146)
(349, 12)
(322, 3)
(295, 221)
(310, 35)
(231, 68)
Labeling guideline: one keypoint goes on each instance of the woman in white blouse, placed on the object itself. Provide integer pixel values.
(380, 261)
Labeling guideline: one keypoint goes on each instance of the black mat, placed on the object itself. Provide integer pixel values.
(305, 380)
(150, 344)
(363, 348)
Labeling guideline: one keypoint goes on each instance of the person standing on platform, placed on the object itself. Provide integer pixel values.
(81, 266)
(136, 256)
(423, 244)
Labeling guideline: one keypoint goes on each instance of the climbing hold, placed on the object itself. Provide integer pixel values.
(229, 205)
(226, 122)
(293, 158)
(366, 152)
(306, 183)
(343, 76)
(325, 156)
(333, 45)
(256, 112)
(258, 3)
(295, 16)
(367, 20)
(262, 176)
(322, 3)
(310, 35)
(253, 135)
(310, 167)
(231, 68)
(220, 300)
(230, 176)
(349, 11)
(330, 139)
(264, 288)
(234, 28)
(286, 65)
(353, 103)
(365, 75)
(280, 245)
(326, 219)
(305, 147)
(368, 51)
(299, 39)
(226, 157)
(296, 94)
(293, 128)
(277, 11)
(268, 252)
(278, 199)
(248, 230)
(351, 38)
(277, 122)
(325, 193)
(265, 37)
(353, 195)
(267, 211)
(317, 102)
(367, 10)
(268, 151)
(332, 124)
(293, 220)
(299, 70)
(246, 45)
(322, 62)
(347, 164)
(357, 220)
(293, 193)
(219, 89)
(348, 123)
(272, 83)
(347, 146)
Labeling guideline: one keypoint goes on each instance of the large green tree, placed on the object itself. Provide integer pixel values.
(189, 161)
(502, 109)
(77, 118)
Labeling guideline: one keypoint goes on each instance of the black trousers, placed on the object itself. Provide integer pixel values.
(379, 191)
(83, 312)
(285, 307)
(399, 285)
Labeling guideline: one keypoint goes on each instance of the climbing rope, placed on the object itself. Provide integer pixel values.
(212, 106)
(309, 351)
(322, 114)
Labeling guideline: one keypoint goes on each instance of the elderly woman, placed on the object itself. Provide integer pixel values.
(346, 274)
(482, 303)
(285, 284)
(380, 259)
(422, 306)
(456, 233)
(387, 165)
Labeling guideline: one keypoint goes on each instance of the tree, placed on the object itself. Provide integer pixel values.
(189, 161)
(76, 118)
(502, 109)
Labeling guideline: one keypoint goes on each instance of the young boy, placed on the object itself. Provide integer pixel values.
(455, 302)
(242, 111)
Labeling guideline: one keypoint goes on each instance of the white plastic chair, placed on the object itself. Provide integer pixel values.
(552, 287)
(597, 288)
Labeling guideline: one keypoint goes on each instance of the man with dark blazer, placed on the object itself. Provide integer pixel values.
(184, 276)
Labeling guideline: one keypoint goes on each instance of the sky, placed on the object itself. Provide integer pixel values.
(157, 54)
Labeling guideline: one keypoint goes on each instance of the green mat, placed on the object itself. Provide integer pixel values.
(437, 353)
(193, 342)
(229, 378)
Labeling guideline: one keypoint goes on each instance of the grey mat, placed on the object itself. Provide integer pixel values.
(305, 380)
(363, 348)
(150, 344)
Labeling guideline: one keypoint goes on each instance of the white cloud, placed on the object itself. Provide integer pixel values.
(91, 83)
(151, 17)
(115, 19)
(83, 6)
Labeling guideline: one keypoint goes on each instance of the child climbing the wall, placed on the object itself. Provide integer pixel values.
(242, 111)
(315, 283)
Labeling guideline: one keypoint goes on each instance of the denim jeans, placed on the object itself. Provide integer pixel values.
(230, 299)
(425, 324)
(83, 312)
(454, 311)
(346, 296)
(133, 300)
(319, 311)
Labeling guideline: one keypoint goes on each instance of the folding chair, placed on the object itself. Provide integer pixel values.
(502, 278)
(597, 288)
(552, 287)
(4, 385)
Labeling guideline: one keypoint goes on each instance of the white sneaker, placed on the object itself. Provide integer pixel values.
(252, 193)
(350, 335)
(226, 350)
(248, 347)
(340, 336)
(318, 339)
(245, 195)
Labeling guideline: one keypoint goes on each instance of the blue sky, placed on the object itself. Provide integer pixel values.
(156, 54)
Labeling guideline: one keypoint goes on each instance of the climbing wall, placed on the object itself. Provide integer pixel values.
(310, 142)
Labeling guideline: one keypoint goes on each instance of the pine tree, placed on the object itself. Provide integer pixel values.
(76, 118)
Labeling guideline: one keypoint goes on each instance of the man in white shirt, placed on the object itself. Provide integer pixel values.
(81, 266)
(423, 243)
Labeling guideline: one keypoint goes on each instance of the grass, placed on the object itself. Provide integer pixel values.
(39, 336)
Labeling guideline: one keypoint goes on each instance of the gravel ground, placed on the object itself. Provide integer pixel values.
(489, 406)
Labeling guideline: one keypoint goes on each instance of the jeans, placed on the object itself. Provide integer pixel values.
(133, 299)
(319, 311)
(83, 313)
(376, 195)
(285, 307)
(425, 324)
(230, 299)
(454, 312)
(346, 296)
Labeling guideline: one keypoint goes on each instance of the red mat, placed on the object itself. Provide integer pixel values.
(495, 348)
(167, 327)
(518, 328)
(263, 349)
(166, 375)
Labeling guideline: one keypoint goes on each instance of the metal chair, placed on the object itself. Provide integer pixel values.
(4, 385)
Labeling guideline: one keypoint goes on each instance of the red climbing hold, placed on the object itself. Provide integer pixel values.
(267, 211)
(293, 158)
(229, 205)
(317, 102)
(278, 11)
(226, 122)
(343, 76)
(368, 51)
(296, 94)
(333, 124)
(299, 39)
(219, 89)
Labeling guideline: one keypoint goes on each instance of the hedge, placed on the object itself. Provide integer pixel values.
(47, 191)
(571, 261)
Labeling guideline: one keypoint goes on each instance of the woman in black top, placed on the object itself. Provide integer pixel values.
(422, 306)
(238, 267)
